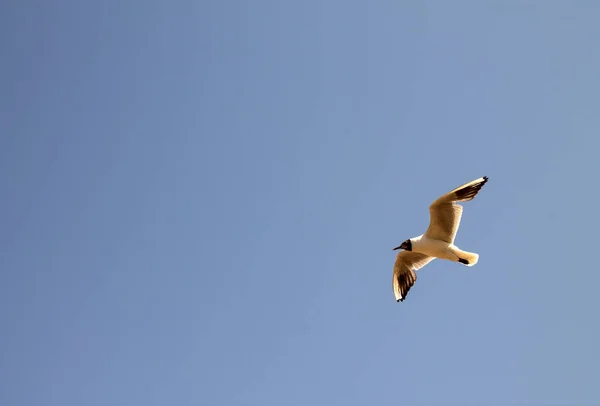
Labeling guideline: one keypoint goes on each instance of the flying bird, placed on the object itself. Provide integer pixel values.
(438, 240)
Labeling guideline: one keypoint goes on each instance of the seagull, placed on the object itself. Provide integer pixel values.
(438, 240)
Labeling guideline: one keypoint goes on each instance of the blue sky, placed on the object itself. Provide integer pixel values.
(200, 201)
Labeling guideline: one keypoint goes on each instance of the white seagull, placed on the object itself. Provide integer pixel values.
(438, 240)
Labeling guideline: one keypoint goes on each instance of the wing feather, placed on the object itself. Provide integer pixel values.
(407, 262)
(445, 214)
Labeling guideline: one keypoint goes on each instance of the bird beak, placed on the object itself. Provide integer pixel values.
(401, 246)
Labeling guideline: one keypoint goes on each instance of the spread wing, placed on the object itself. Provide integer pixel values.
(407, 262)
(445, 214)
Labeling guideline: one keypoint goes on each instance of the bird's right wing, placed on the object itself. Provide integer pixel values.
(445, 214)
(407, 262)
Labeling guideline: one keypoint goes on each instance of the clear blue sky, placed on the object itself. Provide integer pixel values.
(200, 201)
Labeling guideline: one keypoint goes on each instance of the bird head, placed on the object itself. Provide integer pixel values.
(406, 245)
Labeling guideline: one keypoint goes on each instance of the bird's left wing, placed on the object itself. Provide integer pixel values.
(407, 262)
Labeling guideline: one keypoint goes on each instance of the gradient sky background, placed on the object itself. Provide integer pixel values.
(200, 201)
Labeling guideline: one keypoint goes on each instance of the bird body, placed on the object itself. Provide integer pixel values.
(442, 250)
(437, 241)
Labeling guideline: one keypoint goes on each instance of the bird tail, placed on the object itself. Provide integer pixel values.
(466, 258)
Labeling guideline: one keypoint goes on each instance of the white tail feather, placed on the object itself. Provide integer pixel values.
(470, 257)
